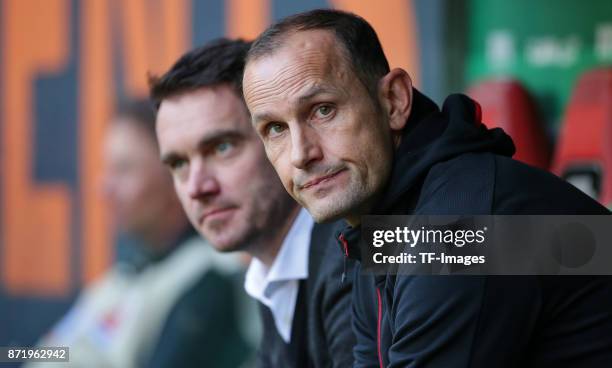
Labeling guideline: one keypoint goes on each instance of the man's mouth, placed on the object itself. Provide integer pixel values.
(215, 212)
(321, 179)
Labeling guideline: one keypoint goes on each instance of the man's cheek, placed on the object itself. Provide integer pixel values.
(285, 173)
(285, 180)
(272, 153)
(188, 207)
(277, 162)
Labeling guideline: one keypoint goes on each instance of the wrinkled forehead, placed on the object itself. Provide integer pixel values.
(303, 58)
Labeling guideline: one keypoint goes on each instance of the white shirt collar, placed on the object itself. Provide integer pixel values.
(277, 287)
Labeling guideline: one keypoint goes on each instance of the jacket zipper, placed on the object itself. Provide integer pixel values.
(378, 328)
(342, 240)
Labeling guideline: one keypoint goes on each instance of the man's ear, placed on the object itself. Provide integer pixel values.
(396, 97)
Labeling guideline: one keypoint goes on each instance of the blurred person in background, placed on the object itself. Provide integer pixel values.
(170, 300)
(234, 198)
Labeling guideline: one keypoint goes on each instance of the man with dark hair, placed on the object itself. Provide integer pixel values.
(152, 308)
(233, 197)
(350, 137)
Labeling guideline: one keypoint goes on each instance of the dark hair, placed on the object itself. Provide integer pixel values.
(217, 62)
(139, 112)
(361, 45)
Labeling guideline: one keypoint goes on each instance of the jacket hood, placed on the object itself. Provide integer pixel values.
(429, 137)
(432, 136)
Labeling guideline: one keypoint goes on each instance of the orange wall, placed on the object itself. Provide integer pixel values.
(54, 234)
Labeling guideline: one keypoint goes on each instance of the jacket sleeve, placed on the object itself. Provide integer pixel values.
(435, 320)
(364, 321)
(462, 321)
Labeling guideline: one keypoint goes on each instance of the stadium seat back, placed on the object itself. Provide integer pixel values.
(507, 104)
(584, 151)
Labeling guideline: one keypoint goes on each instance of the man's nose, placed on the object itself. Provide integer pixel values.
(201, 182)
(305, 147)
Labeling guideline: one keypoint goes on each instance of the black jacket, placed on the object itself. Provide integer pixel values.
(321, 334)
(449, 163)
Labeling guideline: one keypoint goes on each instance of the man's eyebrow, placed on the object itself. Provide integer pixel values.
(217, 136)
(206, 141)
(169, 157)
(313, 92)
(261, 117)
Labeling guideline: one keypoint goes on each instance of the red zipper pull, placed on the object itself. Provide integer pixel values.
(344, 245)
(346, 254)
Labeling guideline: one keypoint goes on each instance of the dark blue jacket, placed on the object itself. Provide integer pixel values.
(449, 163)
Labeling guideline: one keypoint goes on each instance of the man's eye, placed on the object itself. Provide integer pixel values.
(323, 111)
(224, 147)
(175, 165)
(274, 129)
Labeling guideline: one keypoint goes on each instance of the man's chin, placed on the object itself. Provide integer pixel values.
(335, 207)
(227, 247)
(326, 214)
(225, 242)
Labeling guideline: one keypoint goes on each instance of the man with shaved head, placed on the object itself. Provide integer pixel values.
(349, 136)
